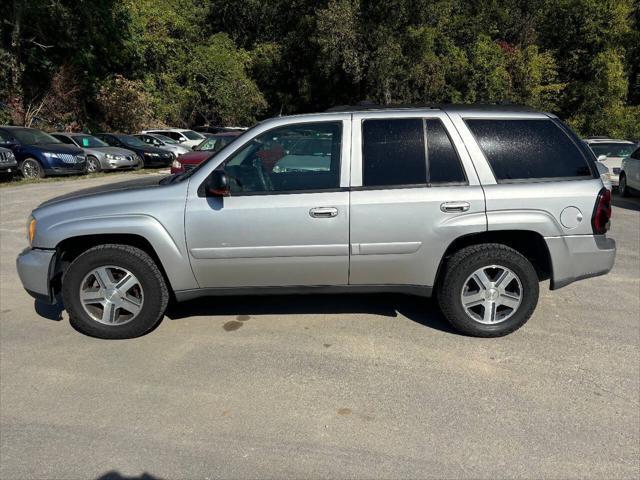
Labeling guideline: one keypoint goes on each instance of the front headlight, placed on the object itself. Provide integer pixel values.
(49, 154)
(31, 229)
(176, 164)
(108, 156)
(151, 154)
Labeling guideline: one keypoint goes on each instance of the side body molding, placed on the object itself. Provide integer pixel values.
(172, 252)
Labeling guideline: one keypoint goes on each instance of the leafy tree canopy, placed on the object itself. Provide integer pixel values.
(79, 63)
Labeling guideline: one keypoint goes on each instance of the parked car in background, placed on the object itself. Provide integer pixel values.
(204, 130)
(100, 156)
(183, 136)
(8, 164)
(165, 143)
(630, 175)
(605, 175)
(611, 152)
(213, 143)
(335, 213)
(150, 156)
(39, 154)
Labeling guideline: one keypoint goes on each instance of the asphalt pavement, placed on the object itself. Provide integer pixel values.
(362, 386)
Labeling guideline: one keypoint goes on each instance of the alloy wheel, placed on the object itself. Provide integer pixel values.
(29, 169)
(491, 294)
(111, 295)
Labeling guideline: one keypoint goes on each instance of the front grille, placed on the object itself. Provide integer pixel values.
(616, 170)
(69, 158)
(6, 157)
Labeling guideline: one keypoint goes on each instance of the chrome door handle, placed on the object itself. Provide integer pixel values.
(323, 212)
(449, 207)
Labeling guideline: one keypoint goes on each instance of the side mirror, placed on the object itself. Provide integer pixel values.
(194, 147)
(218, 184)
(602, 158)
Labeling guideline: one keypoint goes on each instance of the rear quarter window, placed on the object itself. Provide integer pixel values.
(522, 149)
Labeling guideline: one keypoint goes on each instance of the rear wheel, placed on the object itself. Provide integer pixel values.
(622, 186)
(31, 168)
(114, 291)
(488, 290)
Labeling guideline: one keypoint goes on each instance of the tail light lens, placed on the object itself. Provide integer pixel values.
(602, 213)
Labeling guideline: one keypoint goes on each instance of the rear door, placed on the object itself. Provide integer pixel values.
(414, 191)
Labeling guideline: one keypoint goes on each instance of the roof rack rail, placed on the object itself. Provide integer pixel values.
(367, 105)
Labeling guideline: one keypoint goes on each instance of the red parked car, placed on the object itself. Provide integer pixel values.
(203, 151)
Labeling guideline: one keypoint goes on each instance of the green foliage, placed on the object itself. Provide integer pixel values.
(131, 63)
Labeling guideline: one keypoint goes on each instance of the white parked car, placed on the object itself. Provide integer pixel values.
(165, 143)
(630, 175)
(183, 136)
(605, 175)
(611, 152)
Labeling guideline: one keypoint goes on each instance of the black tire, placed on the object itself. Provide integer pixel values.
(93, 165)
(138, 262)
(623, 189)
(463, 264)
(31, 168)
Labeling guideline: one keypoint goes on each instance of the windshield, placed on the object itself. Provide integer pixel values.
(165, 139)
(88, 141)
(132, 141)
(191, 135)
(31, 136)
(612, 149)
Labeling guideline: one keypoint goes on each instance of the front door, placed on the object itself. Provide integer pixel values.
(286, 222)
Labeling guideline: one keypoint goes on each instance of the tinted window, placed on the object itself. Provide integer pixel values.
(393, 152)
(636, 154)
(522, 149)
(4, 136)
(173, 135)
(282, 160)
(191, 135)
(31, 136)
(63, 139)
(443, 160)
(612, 149)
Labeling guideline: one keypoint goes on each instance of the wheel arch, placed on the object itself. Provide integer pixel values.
(528, 243)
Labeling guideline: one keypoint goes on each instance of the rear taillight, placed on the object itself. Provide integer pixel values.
(602, 212)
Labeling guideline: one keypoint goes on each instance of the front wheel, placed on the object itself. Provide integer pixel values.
(488, 290)
(114, 291)
(93, 165)
(31, 168)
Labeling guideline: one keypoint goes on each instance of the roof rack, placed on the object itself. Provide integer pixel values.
(367, 105)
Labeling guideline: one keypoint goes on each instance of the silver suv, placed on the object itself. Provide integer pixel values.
(474, 204)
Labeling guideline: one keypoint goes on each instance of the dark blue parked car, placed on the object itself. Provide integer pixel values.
(40, 154)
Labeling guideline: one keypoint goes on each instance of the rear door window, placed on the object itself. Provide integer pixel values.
(442, 159)
(522, 149)
(394, 153)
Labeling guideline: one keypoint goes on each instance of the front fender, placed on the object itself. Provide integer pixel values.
(171, 251)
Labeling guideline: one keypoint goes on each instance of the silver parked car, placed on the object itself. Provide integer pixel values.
(476, 204)
(163, 142)
(100, 156)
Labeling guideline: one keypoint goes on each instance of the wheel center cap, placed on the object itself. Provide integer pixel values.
(112, 294)
(492, 294)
